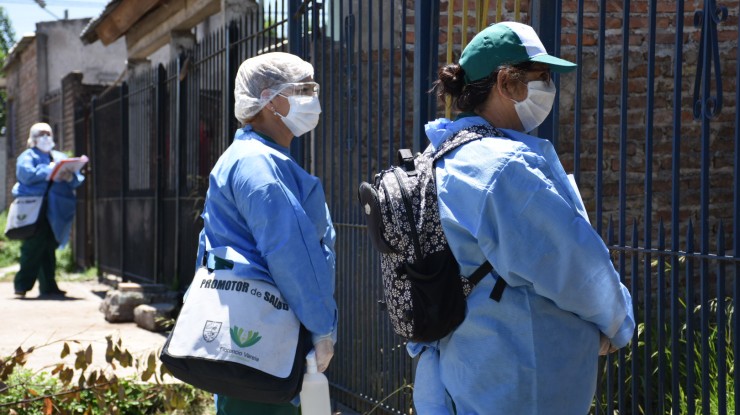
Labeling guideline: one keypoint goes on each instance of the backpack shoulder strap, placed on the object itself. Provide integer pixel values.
(482, 271)
(472, 133)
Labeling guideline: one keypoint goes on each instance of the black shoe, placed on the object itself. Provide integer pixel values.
(20, 294)
(55, 293)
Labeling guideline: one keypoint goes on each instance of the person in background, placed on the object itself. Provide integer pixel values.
(506, 198)
(264, 215)
(33, 169)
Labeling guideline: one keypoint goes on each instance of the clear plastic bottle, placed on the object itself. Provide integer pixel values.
(315, 391)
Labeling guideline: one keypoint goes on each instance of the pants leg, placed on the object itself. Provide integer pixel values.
(232, 406)
(47, 277)
(35, 261)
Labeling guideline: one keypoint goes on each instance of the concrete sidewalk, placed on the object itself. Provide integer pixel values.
(48, 322)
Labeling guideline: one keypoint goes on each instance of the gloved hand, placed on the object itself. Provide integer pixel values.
(51, 168)
(605, 346)
(324, 352)
(65, 176)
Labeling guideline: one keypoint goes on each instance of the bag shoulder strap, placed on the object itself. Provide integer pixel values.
(464, 136)
(472, 133)
(480, 273)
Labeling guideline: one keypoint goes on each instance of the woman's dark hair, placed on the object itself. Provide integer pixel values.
(468, 97)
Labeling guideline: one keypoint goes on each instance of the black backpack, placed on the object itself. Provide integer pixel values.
(424, 291)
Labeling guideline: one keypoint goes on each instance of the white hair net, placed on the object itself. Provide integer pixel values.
(35, 132)
(259, 78)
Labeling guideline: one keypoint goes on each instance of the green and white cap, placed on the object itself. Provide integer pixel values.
(506, 43)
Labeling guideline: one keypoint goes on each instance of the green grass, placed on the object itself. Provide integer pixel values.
(10, 251)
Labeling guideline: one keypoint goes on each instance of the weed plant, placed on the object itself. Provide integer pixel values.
(715, 397)
(82, 389)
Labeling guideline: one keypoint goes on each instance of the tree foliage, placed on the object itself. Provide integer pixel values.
(7, 34)
(7, 40)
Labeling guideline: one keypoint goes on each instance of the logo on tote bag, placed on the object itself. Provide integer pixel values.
(237, 335)
(211, 330)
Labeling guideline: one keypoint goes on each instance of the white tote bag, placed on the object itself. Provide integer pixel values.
(227, 318)
(23, 216)
(239, 338)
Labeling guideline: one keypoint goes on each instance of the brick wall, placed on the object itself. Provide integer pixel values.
(23, 92)
(722, 127)
(721, 132)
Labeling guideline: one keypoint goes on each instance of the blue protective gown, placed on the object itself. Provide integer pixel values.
(269, 217)
(31, 169)
(508, 200)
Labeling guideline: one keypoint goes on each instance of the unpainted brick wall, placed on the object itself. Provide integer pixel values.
(23, 92)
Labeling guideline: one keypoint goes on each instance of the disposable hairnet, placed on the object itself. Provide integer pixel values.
(35, 132)
(259, 78)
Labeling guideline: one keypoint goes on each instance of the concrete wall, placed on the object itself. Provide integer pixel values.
(66, 53)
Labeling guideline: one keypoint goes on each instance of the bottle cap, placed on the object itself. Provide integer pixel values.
(311, 366)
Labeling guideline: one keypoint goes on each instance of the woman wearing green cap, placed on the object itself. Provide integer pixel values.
(505, 198)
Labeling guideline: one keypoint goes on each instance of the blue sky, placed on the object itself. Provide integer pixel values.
(25, 13)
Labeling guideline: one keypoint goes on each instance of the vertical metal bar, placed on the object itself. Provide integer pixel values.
(178, 136)
(635, 271)
(577, 112)
(450, 44)
(124, 170)
(620, 356)
(721, 325)
(736, 225)
(369, 119)
(403, 77)
(708, 44)
(675, 206)
(161, 108)
(392, 79)
(463, 25)
(623, 175)
(93, 154)
(662, 367)
(690, 321)
(425, 50)
(600, 121)
(545, 17)
(648, 212)
(380, 89)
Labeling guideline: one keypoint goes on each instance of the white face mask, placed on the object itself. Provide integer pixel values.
(45, 143)
(538, 104)
(303, 115)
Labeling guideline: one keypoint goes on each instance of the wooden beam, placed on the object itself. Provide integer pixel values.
(153, 31)
(128, 12)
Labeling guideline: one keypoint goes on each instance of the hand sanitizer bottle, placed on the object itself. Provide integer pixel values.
(315, 392)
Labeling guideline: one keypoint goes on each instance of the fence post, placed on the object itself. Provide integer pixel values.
(426, 28)
(545, 17)
(124, 172)
(231, 65)
(296, 47)
(160, 108)
(180, 137)
(93, 156)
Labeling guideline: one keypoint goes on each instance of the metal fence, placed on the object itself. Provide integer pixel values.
(643, 125)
